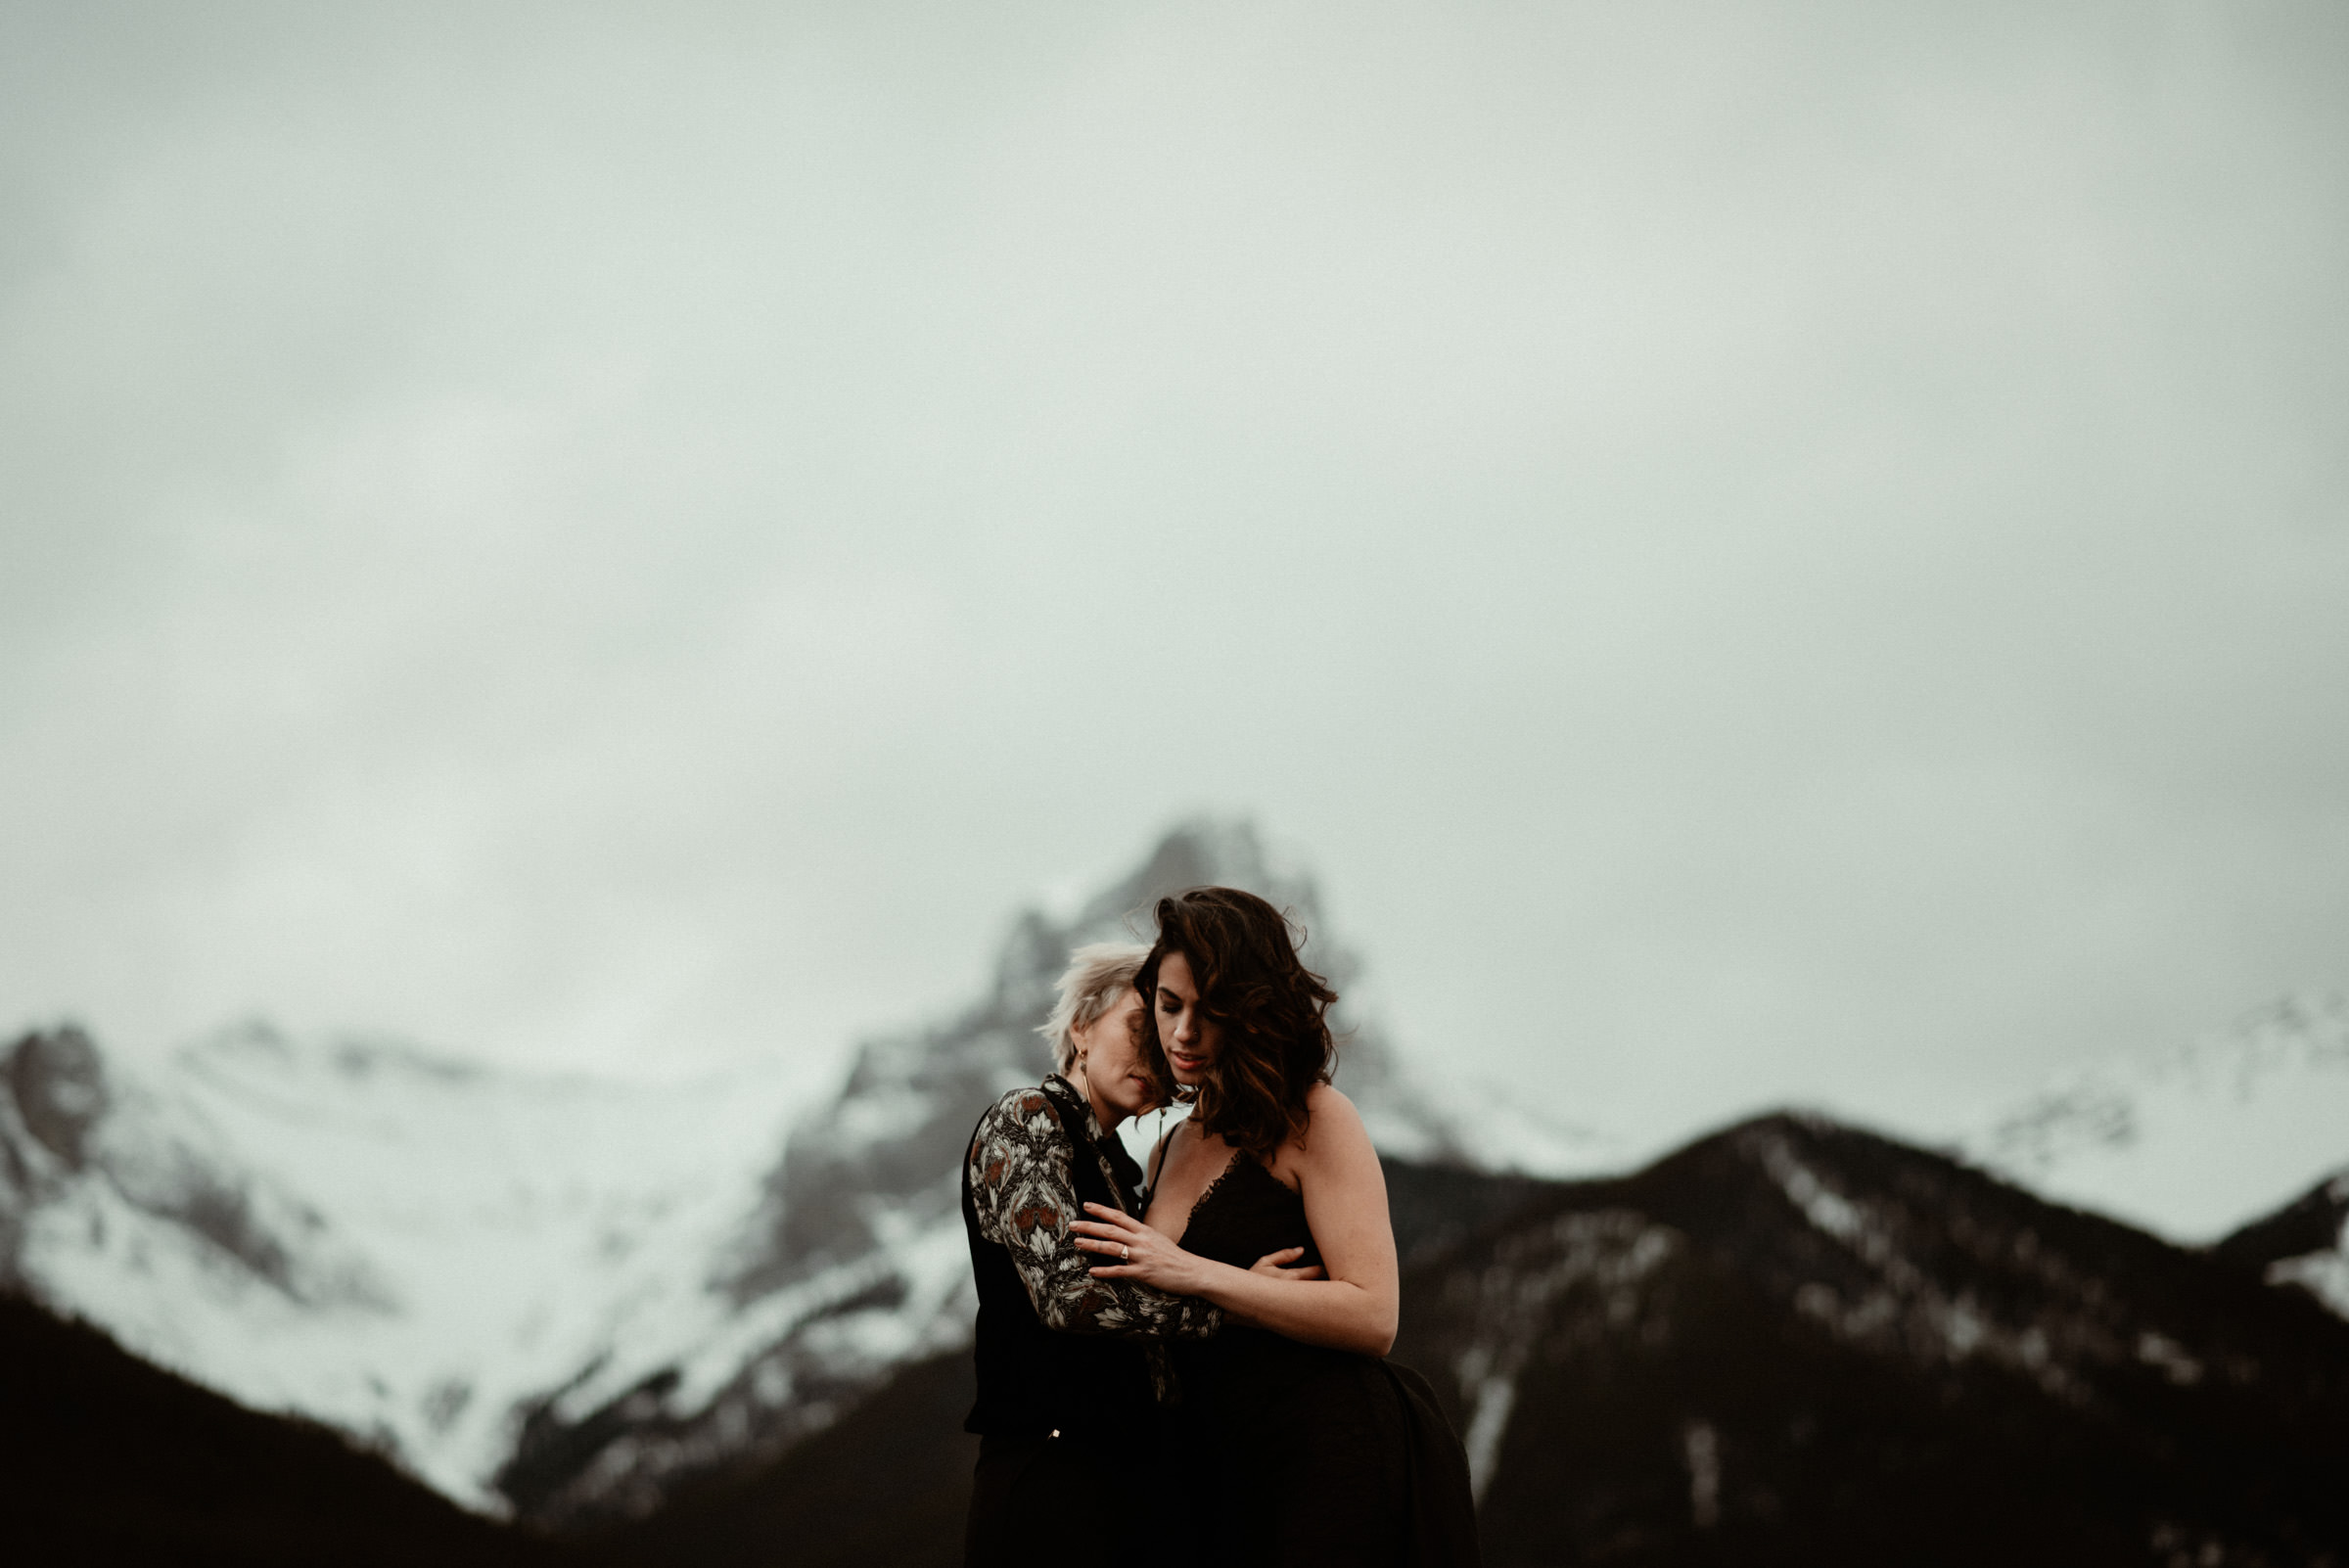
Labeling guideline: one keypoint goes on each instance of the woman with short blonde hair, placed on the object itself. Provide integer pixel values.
(1099, 975)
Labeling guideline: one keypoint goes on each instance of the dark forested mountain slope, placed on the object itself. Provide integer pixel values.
(889, 1483)
(1789, 1343)
(106, 1459)
(885, 1487)
(1795, 1342)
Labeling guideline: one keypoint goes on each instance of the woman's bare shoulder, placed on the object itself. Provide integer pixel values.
(1325, 1104)
(1333, 1128)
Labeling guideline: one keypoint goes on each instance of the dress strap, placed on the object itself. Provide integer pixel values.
(1158, 1161)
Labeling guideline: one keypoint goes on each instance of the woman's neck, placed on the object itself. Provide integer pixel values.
(1107, 1115)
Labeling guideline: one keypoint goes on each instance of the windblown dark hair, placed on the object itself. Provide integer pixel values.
(1269, 1010)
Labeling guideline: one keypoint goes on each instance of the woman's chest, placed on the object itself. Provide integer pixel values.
(1190, 1169)
(1244, 1212)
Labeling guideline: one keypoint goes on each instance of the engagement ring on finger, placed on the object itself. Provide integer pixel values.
(1125, 1255)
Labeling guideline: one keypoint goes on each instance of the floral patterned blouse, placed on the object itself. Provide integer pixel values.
(1021, 1185)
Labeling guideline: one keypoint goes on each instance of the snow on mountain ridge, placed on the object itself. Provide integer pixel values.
(481, 1235)
(2325, 1272)
(2195, 1141)
(119, 1167)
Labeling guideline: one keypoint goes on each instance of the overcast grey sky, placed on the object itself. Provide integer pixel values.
(1760, 553)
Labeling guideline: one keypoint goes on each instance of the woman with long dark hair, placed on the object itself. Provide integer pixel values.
(1306, 1446)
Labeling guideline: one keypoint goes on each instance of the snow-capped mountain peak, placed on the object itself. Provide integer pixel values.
(855, 1259)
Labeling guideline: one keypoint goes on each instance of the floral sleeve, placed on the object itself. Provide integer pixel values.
(1026, 1201)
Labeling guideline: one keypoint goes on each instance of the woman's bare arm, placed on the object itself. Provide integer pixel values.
(1345, 1195)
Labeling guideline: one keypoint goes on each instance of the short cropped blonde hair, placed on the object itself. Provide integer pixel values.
(1097, 972)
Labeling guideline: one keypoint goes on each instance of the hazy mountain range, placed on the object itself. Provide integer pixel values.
(586, 1303)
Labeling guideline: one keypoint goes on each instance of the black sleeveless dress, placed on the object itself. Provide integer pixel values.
(1294, 1453)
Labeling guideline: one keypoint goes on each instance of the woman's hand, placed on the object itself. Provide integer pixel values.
(1142, 1254)
(1136, 1252)
(1283, 1265)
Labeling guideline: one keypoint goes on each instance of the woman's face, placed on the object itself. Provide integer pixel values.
(1189, 1037)
(1112, 1059)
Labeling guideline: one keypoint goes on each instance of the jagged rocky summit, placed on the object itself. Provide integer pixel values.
(854, 1261)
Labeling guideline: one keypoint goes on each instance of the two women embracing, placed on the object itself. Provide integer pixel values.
(1192, 1369)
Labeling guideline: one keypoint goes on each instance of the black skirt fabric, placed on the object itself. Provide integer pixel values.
(1296, 1454)
(1041, 1502)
